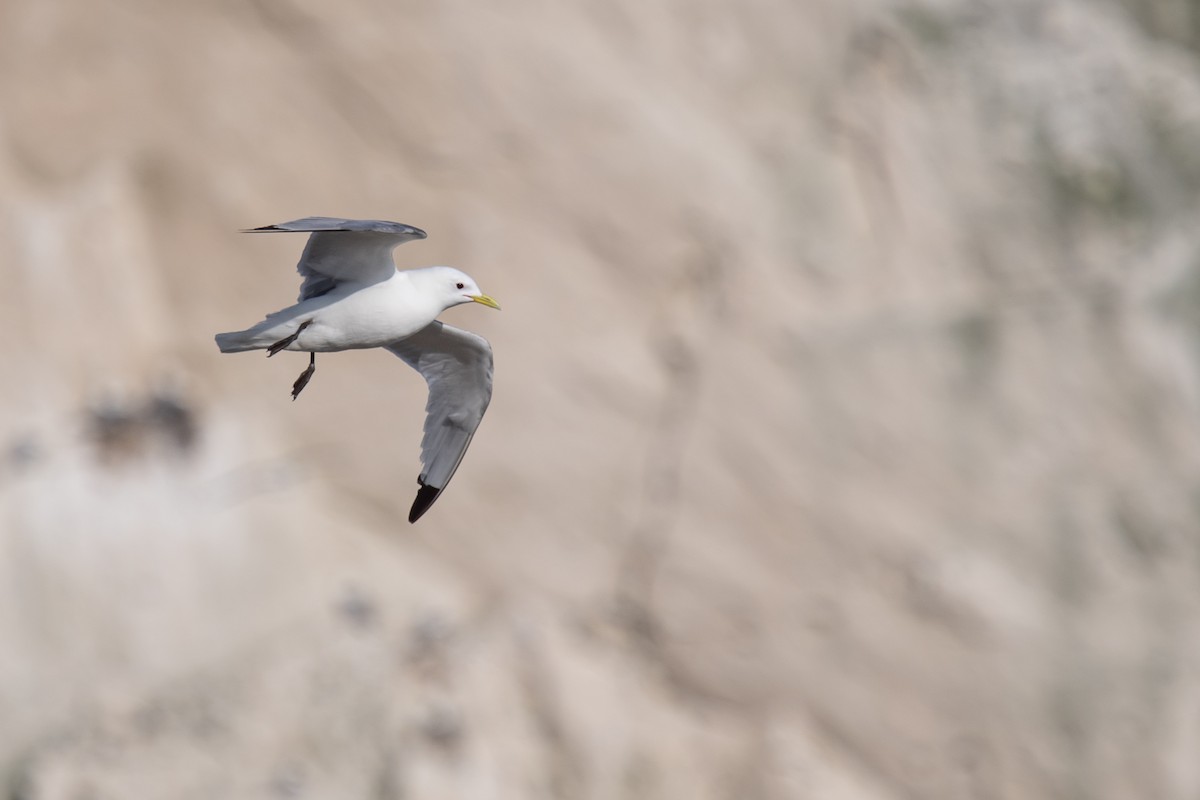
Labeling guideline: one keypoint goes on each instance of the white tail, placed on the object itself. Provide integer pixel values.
(238, 341)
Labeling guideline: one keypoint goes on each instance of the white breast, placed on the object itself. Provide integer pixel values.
(372, 316)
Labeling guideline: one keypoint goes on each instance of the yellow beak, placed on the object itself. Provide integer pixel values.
(485, 300)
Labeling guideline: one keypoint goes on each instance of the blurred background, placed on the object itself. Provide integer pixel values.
(844, 438)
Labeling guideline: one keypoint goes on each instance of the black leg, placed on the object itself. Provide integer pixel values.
(283, 343)
(305, 376)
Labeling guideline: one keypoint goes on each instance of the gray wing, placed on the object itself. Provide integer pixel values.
(457, 365)
(345, 250)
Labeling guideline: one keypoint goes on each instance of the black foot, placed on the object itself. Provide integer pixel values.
(305, 376)
(283, 343)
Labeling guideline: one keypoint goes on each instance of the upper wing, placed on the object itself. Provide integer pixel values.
(457, 365)
(345, 249)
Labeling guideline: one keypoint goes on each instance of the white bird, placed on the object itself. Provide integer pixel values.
(353, 297)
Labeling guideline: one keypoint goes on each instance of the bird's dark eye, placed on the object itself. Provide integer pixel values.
(458, 286)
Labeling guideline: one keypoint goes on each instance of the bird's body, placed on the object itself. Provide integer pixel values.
(353, 297)
(351, 316)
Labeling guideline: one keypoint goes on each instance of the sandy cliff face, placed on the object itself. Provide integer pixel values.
(844, 433)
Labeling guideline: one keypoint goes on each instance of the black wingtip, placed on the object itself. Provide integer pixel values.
(425, 497)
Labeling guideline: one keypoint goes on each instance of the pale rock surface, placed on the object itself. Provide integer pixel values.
(844, 442)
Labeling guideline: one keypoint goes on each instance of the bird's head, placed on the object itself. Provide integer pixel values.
(457, 287)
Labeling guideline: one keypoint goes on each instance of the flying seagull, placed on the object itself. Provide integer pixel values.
(353, 297)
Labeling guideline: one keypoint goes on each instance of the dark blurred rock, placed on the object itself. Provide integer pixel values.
(162, 424)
